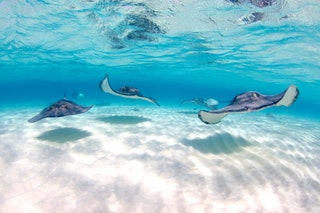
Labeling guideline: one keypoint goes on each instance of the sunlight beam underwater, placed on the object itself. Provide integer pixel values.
(249, 102)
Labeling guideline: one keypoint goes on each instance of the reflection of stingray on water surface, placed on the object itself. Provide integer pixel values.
(123, 119)
(63, 135)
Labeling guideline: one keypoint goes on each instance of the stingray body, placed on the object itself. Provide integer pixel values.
(125, 92)
(60, 108)
(250, 101)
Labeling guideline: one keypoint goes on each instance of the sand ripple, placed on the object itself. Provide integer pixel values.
(164, 161)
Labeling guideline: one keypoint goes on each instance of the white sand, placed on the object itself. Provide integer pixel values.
(169, 163)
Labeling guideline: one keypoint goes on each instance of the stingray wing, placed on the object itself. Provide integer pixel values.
(210, 117)
(288, 97)
(36, 118)
(248, 102)
(105, 87)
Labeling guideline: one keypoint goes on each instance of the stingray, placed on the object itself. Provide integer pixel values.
(125, 91)
(249, 102)
(210, 103)
(60, 108)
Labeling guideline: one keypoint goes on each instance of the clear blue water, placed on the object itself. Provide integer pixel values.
(49, 47)
(172, 50)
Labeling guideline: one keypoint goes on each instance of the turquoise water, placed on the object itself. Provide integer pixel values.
(49, 47)
(172, 50)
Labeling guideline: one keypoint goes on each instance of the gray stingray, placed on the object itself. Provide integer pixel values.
(60, 108)
(209, 103)
(248, 102)
(125, 92)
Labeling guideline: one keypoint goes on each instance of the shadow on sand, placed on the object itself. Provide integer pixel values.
(218, 144)
(63, 135)
(123, 119)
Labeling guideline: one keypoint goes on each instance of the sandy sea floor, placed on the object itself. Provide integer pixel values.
(126, 159)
